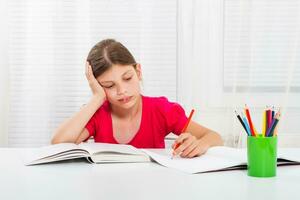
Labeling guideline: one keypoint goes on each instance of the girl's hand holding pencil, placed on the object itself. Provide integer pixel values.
(188, 146)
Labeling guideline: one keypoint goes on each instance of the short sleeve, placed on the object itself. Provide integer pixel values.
(174, 115)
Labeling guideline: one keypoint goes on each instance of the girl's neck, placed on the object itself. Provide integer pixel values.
(128, 113)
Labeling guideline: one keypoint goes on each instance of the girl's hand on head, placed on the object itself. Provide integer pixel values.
(94, 84)
(188, 146)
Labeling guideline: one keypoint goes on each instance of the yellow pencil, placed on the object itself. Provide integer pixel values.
(263, 130)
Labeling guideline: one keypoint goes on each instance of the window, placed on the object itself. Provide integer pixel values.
(48, 45)
(261, 53)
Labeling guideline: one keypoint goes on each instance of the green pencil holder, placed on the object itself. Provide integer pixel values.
(262, 156)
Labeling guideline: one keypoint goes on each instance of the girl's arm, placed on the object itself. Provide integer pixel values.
(73, 129)
(208, 136)
(196, 140)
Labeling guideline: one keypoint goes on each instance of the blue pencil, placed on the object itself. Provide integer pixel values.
(246, 124)
(270, 130)
(241, 121)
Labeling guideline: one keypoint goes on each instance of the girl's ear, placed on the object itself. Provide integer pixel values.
(138, 70)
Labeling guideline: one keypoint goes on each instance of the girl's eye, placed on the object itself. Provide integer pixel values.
(108, 86)
(127, 79)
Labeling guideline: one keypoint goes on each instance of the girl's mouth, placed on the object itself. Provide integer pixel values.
(125, 99)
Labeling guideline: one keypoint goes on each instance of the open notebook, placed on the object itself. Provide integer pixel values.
(215, 159)
(219, 158)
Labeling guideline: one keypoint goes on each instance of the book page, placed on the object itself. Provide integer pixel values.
(216, 158)
(292, 154)
(53, 152)
(97, 148)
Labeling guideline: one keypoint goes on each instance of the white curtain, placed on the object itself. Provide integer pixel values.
(47, 45)
(4, 92)
(236, 52)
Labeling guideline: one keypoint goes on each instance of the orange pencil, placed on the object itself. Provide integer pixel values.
(184, 129)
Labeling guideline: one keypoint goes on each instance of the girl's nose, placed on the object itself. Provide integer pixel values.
(121, 90)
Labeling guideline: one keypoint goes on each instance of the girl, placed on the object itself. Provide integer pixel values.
(118, 113)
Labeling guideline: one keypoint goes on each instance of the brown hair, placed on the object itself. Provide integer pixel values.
(107, 53)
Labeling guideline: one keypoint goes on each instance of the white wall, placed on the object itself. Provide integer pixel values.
(4, 81)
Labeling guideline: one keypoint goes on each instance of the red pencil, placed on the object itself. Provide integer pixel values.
(184, 128)
(188, 121)
(269, 118)
(250, 121)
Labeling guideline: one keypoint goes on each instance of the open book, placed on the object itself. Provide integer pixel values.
(93, 152)
(215, 159)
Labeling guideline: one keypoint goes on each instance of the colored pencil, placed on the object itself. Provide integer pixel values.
(246, 124)
(241, 121)
(183, 130)
(269, 118)
(250, 121)
(273, 125)
(263, 130)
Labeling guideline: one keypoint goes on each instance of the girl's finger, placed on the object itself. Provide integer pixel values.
(178, 141)
(88, 71)
(189, 149)
(196, 152)
(182, 137)
(91, 74)
(186, 143)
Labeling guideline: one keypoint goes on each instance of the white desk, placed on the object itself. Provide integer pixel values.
(81, 180)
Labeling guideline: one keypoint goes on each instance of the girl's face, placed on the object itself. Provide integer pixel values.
(121, 85)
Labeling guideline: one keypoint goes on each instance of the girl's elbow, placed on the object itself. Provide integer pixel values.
(220, 141)
(55, 140)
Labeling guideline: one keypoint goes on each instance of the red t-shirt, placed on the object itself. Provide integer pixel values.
(159, 118)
